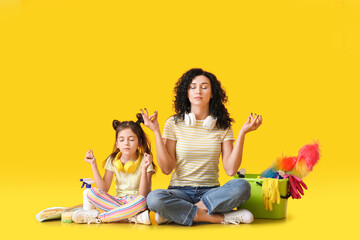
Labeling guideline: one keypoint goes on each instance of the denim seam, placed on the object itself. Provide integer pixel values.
(187, 216)
(207, 202)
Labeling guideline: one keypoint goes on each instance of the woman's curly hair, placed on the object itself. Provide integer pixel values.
(217, 107)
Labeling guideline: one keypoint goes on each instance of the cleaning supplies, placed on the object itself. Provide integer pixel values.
(270, 192)
(50, 213)
(241, 173)
(299, 166)
(87, 206)
(54, 213)
(66, 216)
(296, 185)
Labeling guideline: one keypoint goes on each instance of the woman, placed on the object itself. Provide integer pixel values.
(192, 142)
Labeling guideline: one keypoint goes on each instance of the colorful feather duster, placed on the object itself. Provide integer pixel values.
(299, 166)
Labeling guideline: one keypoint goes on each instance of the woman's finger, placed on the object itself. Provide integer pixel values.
(142, 112)
(260, 120)
(147, 114)
(255, 120)
(156, 115)
(248, 119)
(255, 117)
(153, 115)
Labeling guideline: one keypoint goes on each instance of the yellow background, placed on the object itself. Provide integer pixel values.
(68, 68)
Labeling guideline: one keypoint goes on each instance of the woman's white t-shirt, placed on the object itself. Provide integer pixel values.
(197, 152)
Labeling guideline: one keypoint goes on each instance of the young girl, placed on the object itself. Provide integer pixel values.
(190, 147)
(131, 163)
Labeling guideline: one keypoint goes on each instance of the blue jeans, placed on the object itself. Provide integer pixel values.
(178, 203)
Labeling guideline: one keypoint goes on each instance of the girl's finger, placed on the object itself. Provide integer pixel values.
(142, 112)
(146, 112)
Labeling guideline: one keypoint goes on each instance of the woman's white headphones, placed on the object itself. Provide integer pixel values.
(209, 122)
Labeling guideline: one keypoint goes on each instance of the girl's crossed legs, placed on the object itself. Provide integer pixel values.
(116, 209)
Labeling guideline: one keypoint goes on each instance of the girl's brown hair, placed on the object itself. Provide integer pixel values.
(144, 143)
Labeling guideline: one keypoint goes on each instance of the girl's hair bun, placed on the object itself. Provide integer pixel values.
(115, 124)
(140, 118)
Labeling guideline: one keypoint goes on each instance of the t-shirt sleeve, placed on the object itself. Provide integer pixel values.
(109, 165)
(169, 129)
(229, 135)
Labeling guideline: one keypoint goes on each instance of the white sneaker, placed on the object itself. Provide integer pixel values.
(83, 216)
(161, 220)
(237, 217)
(142, 218)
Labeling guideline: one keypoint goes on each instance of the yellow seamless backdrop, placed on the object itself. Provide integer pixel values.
(67, 69)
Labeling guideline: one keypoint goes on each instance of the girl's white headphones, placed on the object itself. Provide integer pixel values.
(209, 122)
